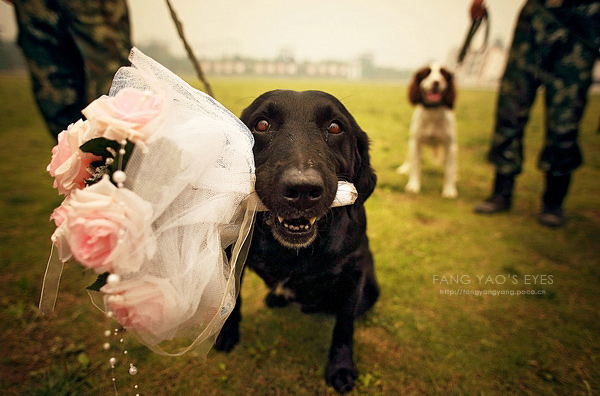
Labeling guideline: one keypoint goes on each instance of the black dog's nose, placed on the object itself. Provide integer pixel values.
(302, 188)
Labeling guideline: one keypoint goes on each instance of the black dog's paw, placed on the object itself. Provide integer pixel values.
(341, 377)
(228, 338)
(276, 300)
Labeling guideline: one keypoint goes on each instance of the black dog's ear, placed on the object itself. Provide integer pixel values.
(246, 115)
(365, 178)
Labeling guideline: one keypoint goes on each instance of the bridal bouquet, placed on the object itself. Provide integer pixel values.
(157, 182)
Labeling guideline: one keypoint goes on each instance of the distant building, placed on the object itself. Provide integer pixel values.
(282, 67)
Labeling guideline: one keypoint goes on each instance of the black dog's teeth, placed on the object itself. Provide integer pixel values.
(297, 225)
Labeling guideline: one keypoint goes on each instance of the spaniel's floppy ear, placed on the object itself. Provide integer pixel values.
(365, 178)
(450, 93)
(414, 90)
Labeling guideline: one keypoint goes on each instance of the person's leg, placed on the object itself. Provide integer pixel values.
(501, 198)
(101, 31)
(517, 93)
(557, 187)
(571, 62)
(53, 61)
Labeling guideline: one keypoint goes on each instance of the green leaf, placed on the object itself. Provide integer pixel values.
(106, 148)
(96, 164)
(100, 281)
(98, 146)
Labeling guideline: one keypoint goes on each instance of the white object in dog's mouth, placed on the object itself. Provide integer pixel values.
(346, 195)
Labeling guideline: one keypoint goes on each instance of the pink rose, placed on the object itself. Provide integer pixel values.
(59, 237)
(60, 214)
(148, 305)
(130, 114)
(106, 228)
(69, 164)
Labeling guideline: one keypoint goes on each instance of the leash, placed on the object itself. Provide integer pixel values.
(190, 52)
(471, 33)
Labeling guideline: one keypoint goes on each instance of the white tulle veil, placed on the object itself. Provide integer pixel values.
(197, 172)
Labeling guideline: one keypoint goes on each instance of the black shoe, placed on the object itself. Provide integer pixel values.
(494, 204)
(552, 218)
(556, 190)
(501, 196)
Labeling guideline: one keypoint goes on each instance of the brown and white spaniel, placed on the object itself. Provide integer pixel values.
(433, 123)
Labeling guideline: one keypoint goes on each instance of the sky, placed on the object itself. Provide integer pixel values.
(398, 33)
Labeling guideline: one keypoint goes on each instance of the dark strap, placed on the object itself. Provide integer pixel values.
(474, 27)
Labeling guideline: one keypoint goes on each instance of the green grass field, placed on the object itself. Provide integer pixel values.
(416, 341)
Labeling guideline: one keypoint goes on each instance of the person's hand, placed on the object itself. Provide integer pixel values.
(477, 9)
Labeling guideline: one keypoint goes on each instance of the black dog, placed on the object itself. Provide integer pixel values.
(305, 251)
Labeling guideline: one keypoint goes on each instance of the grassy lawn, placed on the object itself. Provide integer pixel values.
(418, 340)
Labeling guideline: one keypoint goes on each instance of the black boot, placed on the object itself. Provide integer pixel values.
(556, 190)
(500, 200)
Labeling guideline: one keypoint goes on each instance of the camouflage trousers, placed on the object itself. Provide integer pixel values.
(556, 48)
(73, 49)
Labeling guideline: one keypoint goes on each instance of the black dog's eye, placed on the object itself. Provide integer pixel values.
(334, 128)
(262, 125)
